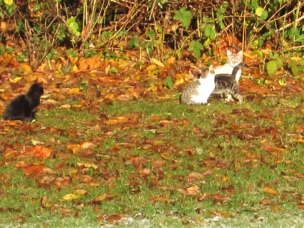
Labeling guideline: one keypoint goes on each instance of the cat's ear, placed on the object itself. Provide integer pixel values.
(195, 72)
(212, 69)
(240, 53)
(229, 52)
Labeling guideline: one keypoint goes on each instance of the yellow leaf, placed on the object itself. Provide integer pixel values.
(69, 197)
(8, 2)
(74, 91)
(101, 197)
(270, 191)
(16, 79)
(151, 67)
(157, 62)
(87, 145)
(179, 81)
(75, 68)
(78, 106)
(170, 60)
(298, 140)
(87, 165)
(81, 192)
(66, 106)
(26, 68)
(75, 148)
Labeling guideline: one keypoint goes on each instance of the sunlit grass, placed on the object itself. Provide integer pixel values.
(235, 148)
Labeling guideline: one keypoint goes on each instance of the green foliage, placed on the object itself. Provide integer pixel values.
(7, 8)
(82, 23)
(150, 34)
(220, 13)
(71, 53)
(2, 50)
(293, 65)
(274, 64)
(196, 47)
(90, 53)
(106, 35)
(209, 31)
(122, 33)
(261, 12)
(113, 70)
(73, 25)
(168, 82)
(184, 16)
(134, 42)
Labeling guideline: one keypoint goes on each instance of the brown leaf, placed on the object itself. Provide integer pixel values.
(114, 218)
(195, 176)
(159, 199)
(190, 191)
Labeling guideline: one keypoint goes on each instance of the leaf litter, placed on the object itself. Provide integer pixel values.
(100, 151)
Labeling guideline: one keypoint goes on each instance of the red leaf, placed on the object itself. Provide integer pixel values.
(39, 152)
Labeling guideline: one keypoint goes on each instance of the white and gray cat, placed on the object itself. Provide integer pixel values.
(226, 84)
(198, 91)
(232, 61)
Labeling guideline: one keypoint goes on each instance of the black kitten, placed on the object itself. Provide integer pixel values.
(24, 106)
(227, 85)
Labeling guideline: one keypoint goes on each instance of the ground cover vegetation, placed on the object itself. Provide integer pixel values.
(112, 146)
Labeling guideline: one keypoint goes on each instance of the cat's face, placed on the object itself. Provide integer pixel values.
(36, 88)
(234, 59)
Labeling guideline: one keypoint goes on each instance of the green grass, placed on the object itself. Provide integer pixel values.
(233, 152)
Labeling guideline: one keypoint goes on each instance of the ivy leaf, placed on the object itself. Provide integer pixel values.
(150, 34)
(106, 35)
(73, 25)
(196, 47)
(134, 42)
(184, 16)
(271, 67)
(209, 31)
(279, 63)
(168, 82)
(292, 64)
(261, 12)
(273, 55)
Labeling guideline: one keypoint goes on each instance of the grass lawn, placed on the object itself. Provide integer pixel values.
(151, 163)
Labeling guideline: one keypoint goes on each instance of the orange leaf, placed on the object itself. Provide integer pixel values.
(35, 170)
(270, 191)
(74, 91)
(40, 152)
(75, 148)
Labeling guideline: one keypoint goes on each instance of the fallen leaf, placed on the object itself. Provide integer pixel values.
(74, 91)
(157, 62)
(39, 152)
(115, 217)
(69, 197)
(270, 191)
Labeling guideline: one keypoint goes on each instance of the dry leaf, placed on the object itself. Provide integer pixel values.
(270, 191)
(69, 197)
(157, 62)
